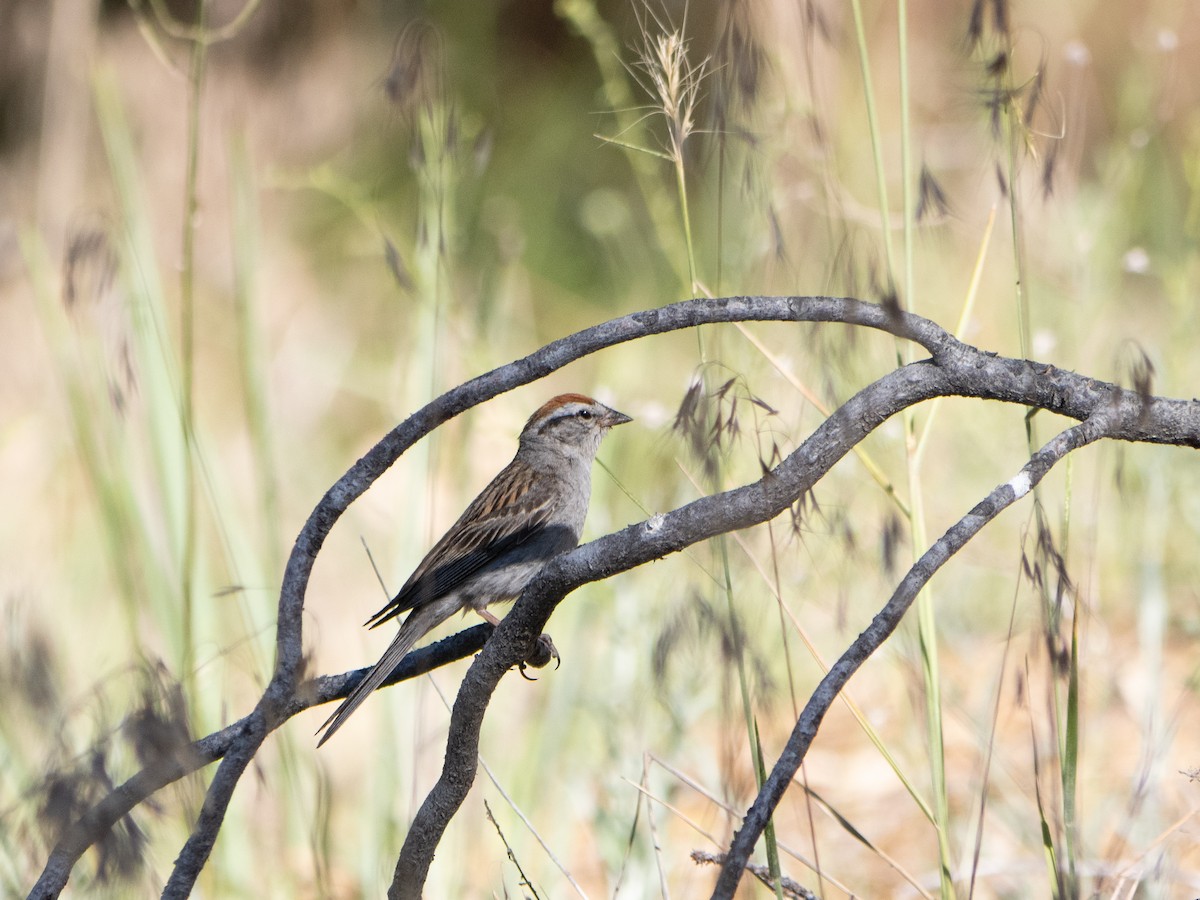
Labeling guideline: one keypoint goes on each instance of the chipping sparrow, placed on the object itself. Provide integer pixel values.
(533, 510)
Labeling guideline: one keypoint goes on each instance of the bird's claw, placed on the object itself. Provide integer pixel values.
(543, 651)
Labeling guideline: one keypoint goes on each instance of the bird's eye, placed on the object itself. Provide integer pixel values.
(584, 414)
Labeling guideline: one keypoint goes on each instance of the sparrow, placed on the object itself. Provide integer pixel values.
(532, 511)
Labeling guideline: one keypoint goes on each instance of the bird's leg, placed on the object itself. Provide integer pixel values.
(543, 651)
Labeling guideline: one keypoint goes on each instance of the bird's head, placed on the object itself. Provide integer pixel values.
(574, 422)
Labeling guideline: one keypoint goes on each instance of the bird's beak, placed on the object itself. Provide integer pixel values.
(612, 418)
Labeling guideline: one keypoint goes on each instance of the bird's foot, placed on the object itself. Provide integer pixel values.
(543, 651)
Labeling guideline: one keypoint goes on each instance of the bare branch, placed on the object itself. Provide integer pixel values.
(686, 314)
(954, 369)
(728, 511)
(957, 369)
(102, 817)
(200, 842)
(697, 521)
(762, 873)
(885, 622)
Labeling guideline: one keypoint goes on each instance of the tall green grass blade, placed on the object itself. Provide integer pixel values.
(760, 766)
(187, 341)
(864, 62)
(1070, 759)
(251, 350)
(586, 19)
(158, 382)
(98, 438)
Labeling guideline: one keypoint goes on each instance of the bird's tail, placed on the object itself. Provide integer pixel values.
(420, 621)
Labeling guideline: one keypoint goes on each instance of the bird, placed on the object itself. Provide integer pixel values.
(530, 512)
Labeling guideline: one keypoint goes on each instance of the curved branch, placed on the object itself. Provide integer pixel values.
(701, 519)
(282, 688)
(955, 369)
(885, 622)
(685, 314)
(200, 842)
(184, 761)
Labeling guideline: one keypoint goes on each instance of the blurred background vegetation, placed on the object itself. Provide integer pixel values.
(227, 267)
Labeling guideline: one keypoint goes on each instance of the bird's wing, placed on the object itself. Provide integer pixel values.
(510, 511)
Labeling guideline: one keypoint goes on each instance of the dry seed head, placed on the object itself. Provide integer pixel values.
(414, 80)
(931, 199)
(92, 296)
(674, 83)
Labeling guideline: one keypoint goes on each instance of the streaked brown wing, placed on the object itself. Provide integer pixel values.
(506, 515)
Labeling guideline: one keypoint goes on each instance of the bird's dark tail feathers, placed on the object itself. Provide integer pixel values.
(420, 621)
